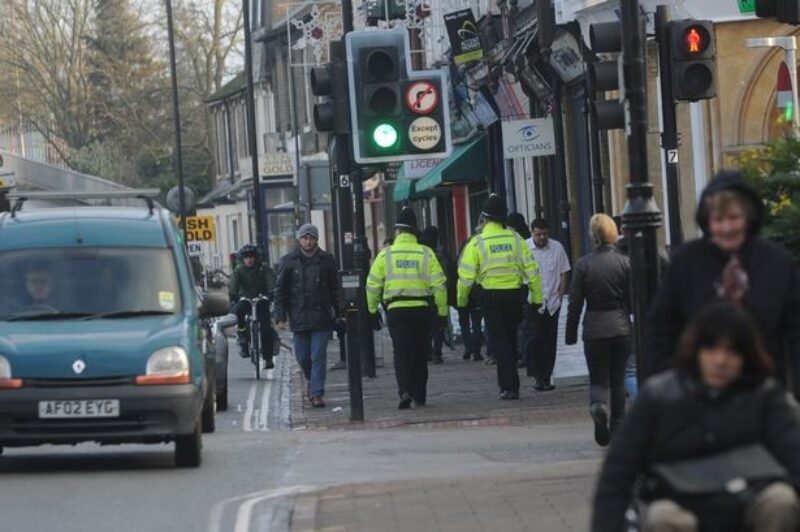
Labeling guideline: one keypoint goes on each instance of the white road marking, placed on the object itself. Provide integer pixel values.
(247, 502)
(262, 420)
(247, 425)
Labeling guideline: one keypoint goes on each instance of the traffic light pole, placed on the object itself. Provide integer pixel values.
(641, 217)
(361, 254)
(669, 137)
(250, 103)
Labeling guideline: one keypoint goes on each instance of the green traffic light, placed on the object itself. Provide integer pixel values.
(384, 136)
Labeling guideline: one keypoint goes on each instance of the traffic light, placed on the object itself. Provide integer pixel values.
(330, 81)
(606, 38)
(692, 60)
(397, 114)
(787, 11)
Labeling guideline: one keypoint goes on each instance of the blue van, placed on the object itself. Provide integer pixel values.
(100, 333)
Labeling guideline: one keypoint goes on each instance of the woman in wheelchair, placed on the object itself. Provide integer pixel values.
(712, 445)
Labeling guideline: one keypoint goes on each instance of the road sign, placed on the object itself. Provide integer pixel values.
(422, 97)
(200, 228)
(424, 133)
(195, 248)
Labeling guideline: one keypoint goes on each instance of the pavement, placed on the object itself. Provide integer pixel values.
(473, 462)
(460, 393)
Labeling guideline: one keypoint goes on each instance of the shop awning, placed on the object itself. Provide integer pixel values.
(403, 188)
(468, 162)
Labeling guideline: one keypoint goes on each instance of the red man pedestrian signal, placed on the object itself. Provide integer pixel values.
(695, 39)
(692, 60)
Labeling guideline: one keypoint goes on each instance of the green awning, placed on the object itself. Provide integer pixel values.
(403, 188)
(468, 162)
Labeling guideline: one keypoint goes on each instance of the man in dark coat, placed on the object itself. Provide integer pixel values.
(307, 292)
(730, 262)
(430, 238)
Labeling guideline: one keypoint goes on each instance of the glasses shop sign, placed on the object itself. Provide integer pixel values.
(532, 137)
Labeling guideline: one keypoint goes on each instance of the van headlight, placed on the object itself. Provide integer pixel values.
(6, 381)
(169, 365)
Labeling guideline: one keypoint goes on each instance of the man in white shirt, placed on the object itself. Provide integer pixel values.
(553, 268)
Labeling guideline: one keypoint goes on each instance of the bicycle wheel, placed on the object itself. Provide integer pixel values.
(255, 348)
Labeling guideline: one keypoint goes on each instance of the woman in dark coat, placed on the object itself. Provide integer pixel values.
(719, 398)
(730, 262)
(601, 279)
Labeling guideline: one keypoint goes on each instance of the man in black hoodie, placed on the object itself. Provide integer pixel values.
(730, 262)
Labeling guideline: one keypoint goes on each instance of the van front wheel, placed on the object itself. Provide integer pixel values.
(189, 447)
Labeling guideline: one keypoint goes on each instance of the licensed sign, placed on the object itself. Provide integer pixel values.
(420, 167)
(533, 137)
(200, 228)
(465, 39)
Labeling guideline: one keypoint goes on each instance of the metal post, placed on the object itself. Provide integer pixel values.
(595, 164)
(250, 101)
(789, 45)
(354, 365)
(669, 137)
(176, 112)
(361, 253)
(791, 63)
(641, 216)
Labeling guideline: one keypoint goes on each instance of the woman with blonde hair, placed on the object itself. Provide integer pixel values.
(601, 280)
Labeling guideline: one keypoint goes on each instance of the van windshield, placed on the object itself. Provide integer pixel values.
(98, 282)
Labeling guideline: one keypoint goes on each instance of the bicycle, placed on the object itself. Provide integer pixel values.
(253, 343)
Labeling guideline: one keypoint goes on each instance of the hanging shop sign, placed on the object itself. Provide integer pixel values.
(565, 57)
(277, 164)
(533, 137)
(465, 39)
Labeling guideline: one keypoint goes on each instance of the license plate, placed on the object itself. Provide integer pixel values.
(82, 408)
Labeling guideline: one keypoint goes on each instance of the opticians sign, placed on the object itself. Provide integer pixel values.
(533, 137)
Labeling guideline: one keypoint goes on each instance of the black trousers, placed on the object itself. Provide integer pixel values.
(242, 310)
(410, 329)
(607, 359)
(470, 322)
(503, 314)
(541, 351)
(437, 340)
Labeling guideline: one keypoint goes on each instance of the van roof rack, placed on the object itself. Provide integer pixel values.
(146, 194)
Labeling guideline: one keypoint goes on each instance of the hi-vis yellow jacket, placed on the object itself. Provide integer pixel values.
(406, 275)
(497, 259)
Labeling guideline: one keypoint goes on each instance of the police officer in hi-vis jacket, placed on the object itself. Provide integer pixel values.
(409, 280)
(500, 262)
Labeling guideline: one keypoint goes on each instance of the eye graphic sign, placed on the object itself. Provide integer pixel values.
(465, 39)
(533, 137)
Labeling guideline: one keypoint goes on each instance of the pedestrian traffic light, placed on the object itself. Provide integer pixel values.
(330, 81)
(397, 114)
(787, 11)
(606, 38)
(692, 60)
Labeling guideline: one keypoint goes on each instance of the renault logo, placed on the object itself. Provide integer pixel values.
(78, 366)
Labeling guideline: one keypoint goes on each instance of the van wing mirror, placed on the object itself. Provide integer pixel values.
(214, 304)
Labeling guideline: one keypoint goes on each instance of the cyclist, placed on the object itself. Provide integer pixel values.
(250, 279)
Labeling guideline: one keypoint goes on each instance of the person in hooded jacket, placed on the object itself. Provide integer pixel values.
(252, 278)
(730, 262)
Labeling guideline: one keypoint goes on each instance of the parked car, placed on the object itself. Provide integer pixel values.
(222, 329)
(100, 331)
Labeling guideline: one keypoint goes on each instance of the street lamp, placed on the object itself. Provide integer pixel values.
(789, 45)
